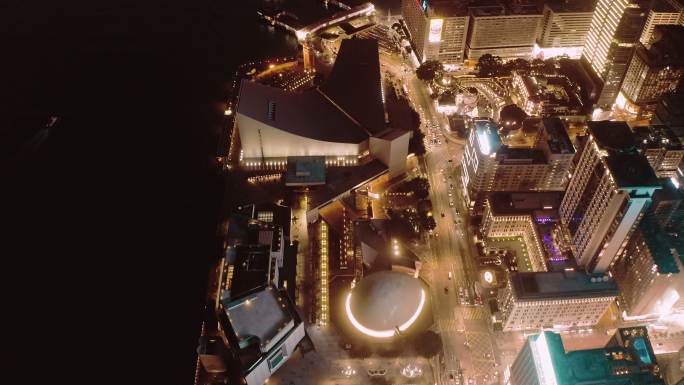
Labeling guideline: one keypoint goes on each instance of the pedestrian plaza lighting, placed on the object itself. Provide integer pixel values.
(411, 371)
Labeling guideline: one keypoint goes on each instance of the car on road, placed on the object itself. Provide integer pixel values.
(451, 203)
(450, 275)
(442, 215)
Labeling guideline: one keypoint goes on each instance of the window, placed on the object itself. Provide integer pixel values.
(271, 110)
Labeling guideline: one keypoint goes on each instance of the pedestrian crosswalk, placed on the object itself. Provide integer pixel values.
(474, 313)
(449, 325)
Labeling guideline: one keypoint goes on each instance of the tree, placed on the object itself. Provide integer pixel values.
(428, 344)
(417, 141)
(429, 70)
(489, 66)
(518, 65)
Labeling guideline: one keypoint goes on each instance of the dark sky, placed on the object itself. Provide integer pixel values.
(109, 217)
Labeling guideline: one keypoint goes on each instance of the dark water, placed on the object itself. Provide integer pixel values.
(109, 216)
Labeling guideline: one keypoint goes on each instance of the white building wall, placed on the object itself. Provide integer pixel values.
(280, 144)
(561, 313)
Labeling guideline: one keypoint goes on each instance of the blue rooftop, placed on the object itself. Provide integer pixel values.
(628, 359)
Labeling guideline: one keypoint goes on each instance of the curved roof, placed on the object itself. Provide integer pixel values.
(308, 114)
(386, 301)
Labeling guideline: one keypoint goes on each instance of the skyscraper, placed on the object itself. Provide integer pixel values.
(615, 29)
(653, 71)
(490, 165)
(650, 273)
(611, 188)
(662, 12)
(438, 29)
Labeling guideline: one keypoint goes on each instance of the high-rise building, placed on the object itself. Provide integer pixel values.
(438, 29)
(490, 165)
(508, 32)
(650, 273)
(661, 147)
(608, 194)
(564, 28)
(662, 12)
(627, 359)
(562, 299)
(653, 71)
(615, 29)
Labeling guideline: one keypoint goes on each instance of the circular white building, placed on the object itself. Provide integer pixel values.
(386, 303)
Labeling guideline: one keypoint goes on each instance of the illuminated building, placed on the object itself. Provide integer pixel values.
(561, 300)
(490, 165)
(514, 215)
(627, 359)
(608, 194)
(343, 120)
(438, 29)
(662, 12)
(654, 71)
(661, 147)
(386, 304)
(547, 95)
(387, 298)
(615, 29)
(564, 29)
(501, 31)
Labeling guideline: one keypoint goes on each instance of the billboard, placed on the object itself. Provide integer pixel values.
(435, 30)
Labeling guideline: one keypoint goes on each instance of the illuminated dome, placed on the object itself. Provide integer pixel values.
(384, 302)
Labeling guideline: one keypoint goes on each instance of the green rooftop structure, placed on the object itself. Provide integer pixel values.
(627, 359)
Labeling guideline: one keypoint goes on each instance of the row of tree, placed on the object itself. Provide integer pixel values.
(493, 66)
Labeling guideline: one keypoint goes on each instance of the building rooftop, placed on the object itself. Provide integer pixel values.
(612, 135)
(557, 137)
(258, 321)
(562, 284)
(665, 48)
(661, 243)
(251, 269)
(299, 113)
(447, 8)
(519, 203)
(380, 252)
(305, 170)
(349, 102)
(560, 6)
(386, 300)
(631, 170)
(628, 359)
(339, 180)
(354, 84)
(520, 155)
(657, 136)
